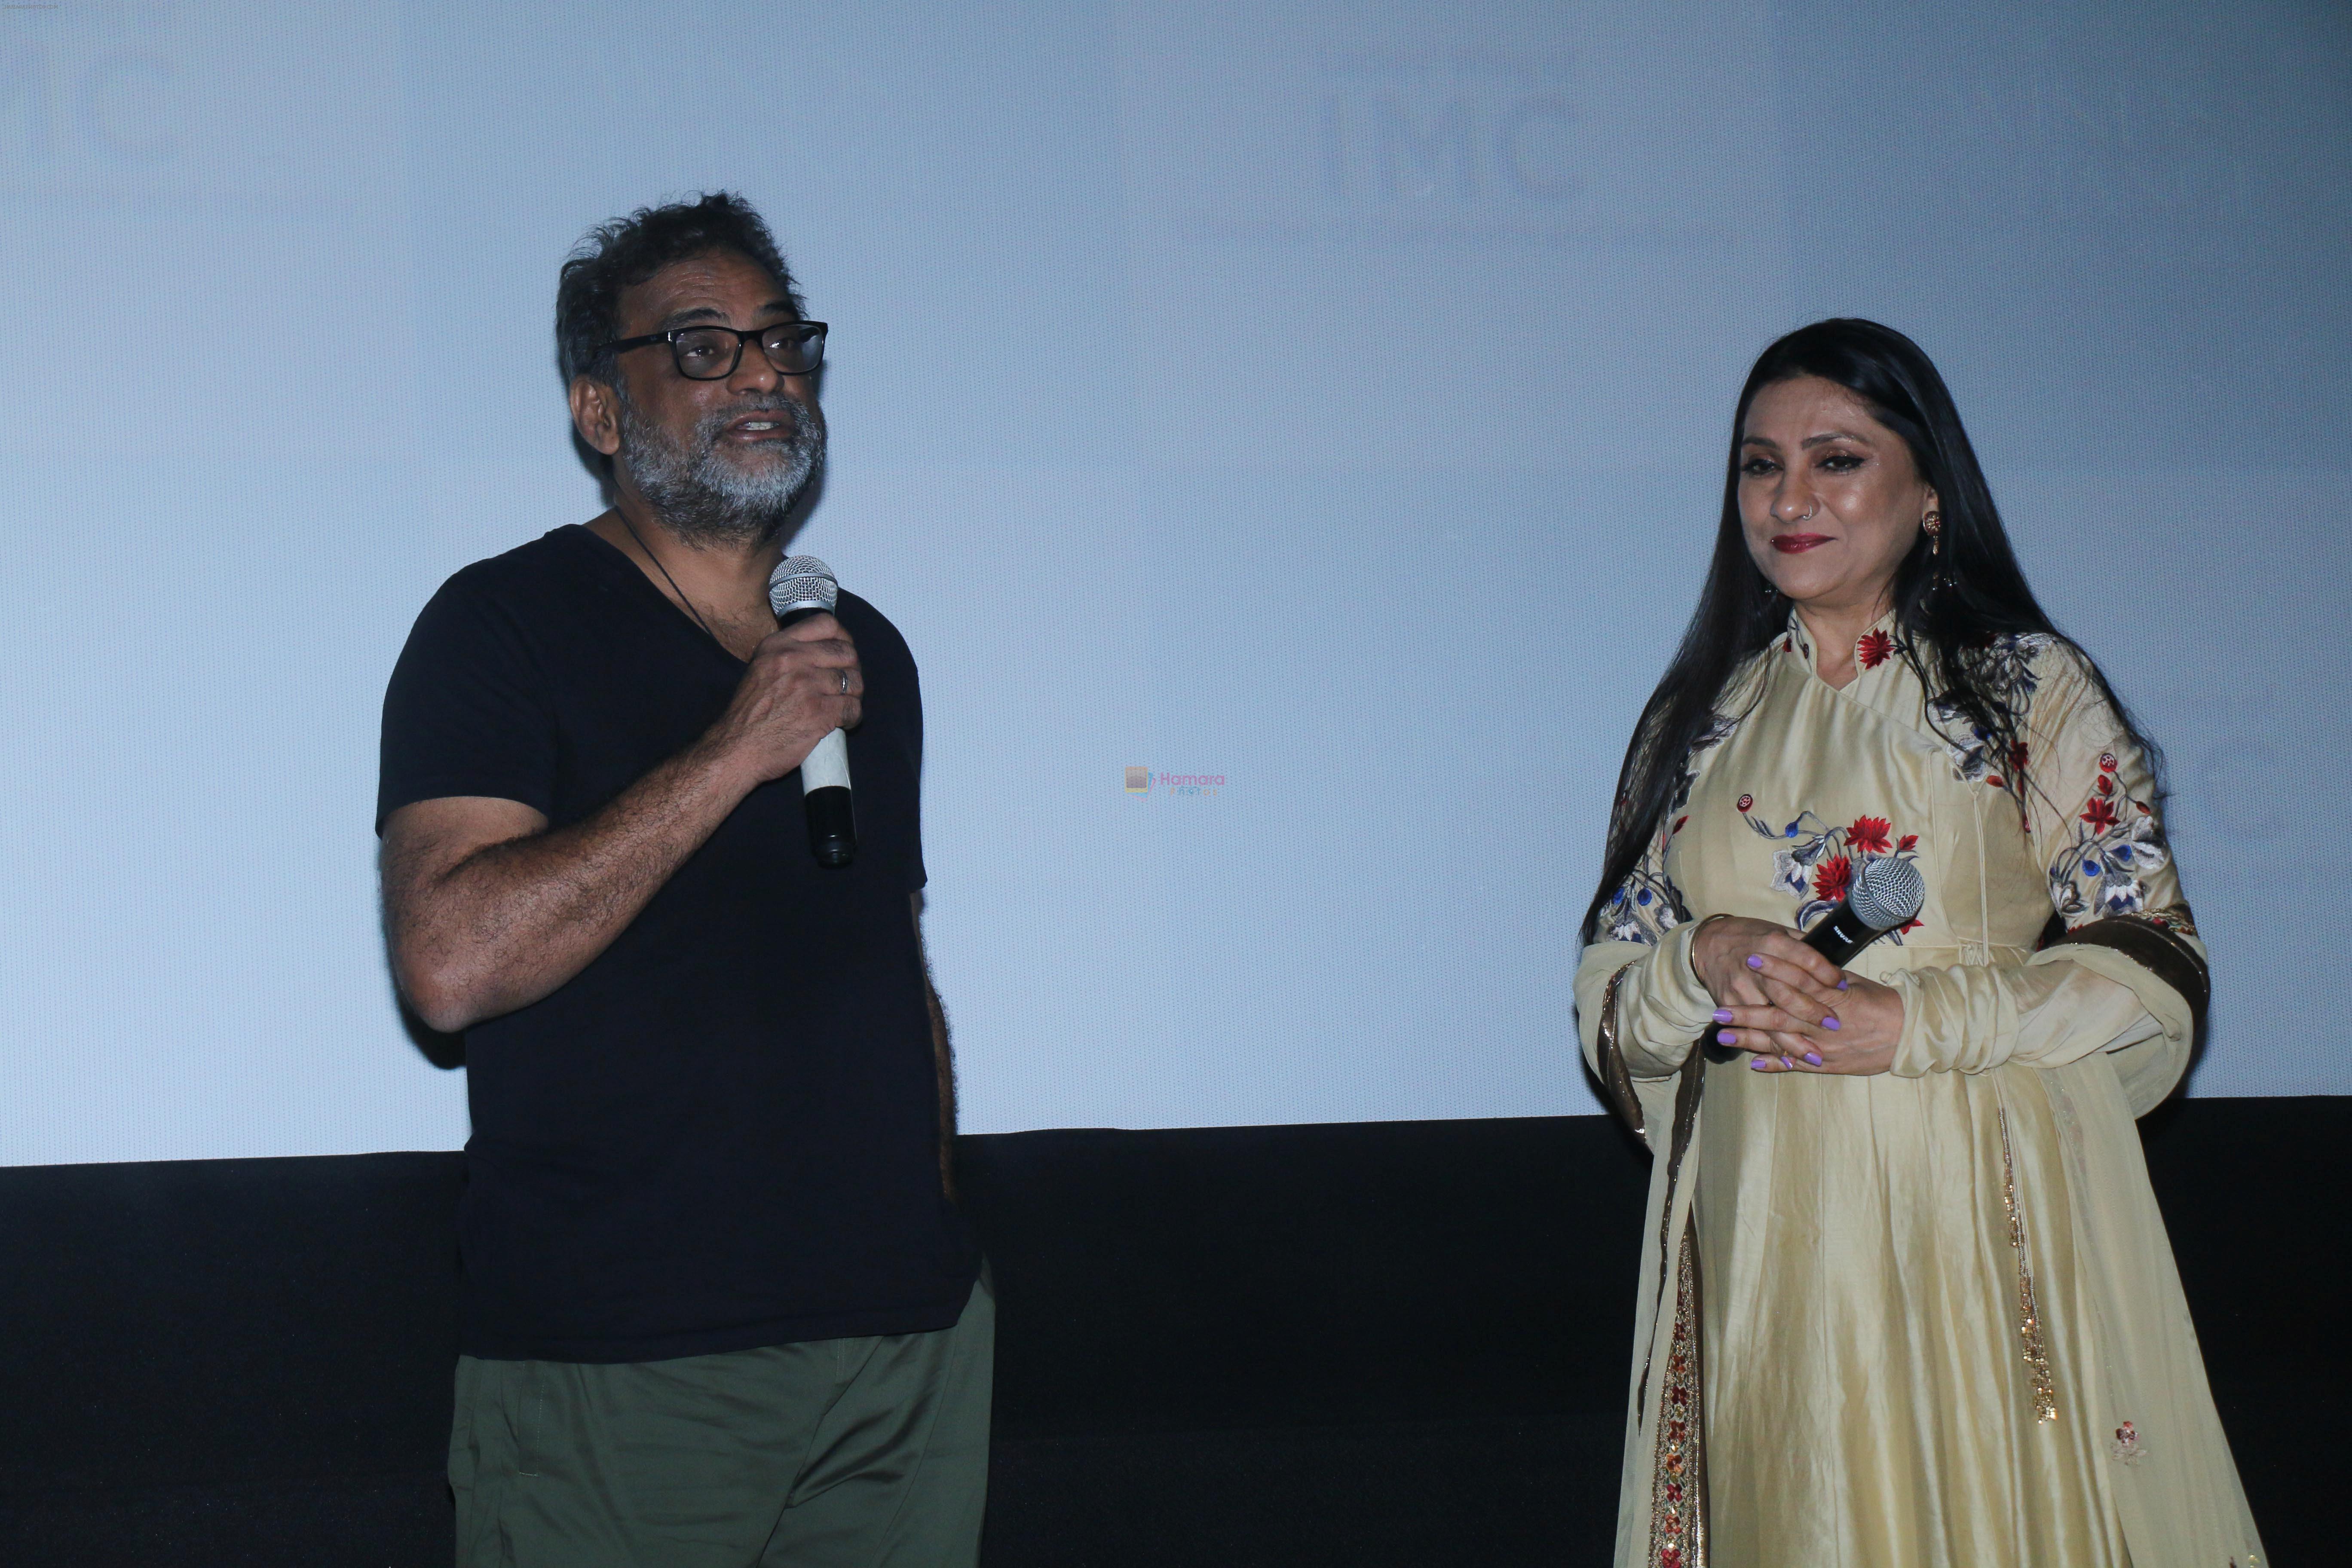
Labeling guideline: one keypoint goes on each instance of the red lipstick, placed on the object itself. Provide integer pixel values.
(1795, 543)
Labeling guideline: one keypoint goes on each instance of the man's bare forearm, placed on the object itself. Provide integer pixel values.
(509, 922)
(488, 910)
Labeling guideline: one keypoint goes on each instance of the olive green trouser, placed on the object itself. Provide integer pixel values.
(871, 1452)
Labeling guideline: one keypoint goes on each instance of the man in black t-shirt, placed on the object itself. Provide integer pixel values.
(720, 1308)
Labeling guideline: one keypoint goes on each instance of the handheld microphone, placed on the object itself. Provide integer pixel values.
(799, 587)
(1887, 894)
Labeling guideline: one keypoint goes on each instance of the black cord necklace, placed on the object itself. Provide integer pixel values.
(667, 577)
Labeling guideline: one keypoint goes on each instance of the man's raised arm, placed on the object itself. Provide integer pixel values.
(486, 911)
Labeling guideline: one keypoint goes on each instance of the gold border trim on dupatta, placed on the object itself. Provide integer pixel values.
(1678, 1466)
(2161, 952)
(1616, 1079)
(1678, 1532)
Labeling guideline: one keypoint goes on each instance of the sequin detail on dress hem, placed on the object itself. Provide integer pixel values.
(2029, 1315)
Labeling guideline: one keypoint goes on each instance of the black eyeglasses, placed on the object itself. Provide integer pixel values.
(712, 353)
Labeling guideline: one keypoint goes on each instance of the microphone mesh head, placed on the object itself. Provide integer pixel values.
(800, 583)
(1888, 893)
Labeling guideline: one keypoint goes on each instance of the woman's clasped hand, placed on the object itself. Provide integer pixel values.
(1795, 1010)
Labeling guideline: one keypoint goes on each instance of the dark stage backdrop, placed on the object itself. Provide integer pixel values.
(1393, 1345)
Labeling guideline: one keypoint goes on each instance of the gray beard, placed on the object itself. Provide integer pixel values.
(705, 496)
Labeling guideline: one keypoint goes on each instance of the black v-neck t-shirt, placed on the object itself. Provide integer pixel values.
(722, 1133)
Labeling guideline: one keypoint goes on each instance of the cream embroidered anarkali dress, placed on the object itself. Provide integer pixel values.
(1928, 1317)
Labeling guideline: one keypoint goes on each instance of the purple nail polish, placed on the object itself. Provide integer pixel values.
(1723, 1014)
(1841, 982)
(1755, 961)
(1727, 1037)
(1756, 1063)
(1831, 1022)
(1813, 1058)
(1787, 1063)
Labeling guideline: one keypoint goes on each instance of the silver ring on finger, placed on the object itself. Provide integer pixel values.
(844, 681)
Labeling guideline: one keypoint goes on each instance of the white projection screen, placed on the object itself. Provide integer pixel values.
(1323, 400)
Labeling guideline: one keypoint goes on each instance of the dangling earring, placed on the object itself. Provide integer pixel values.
(1933, 524)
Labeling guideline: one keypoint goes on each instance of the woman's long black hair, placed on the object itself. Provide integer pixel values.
(1944, 609)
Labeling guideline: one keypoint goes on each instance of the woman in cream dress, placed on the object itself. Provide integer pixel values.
(1907, 1298)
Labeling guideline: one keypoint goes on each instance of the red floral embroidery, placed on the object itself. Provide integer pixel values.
(2099, 814)
(2016, 765)
(1831, 879)
(1678, 823)
(1745, 801)
(1820, 863)
(1874, 649)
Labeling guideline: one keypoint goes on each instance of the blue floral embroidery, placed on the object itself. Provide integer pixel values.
(1645, 907)
(2117, 841)
(1647, 904)
(2006, 667)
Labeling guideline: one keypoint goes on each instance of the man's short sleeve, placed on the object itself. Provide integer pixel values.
(469, 712)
